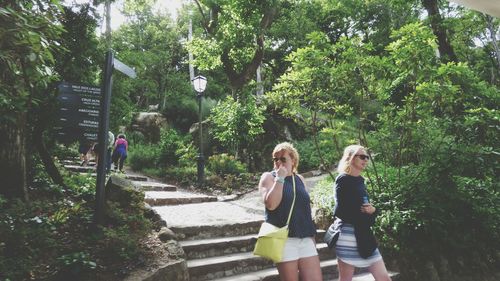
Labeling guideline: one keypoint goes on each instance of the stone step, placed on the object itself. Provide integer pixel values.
(155, 186)
(135, 177)
(247, 267)
(163, 198)
(227, 261)
(127, 176)
(328, 268)
(320, 234)
(80, 169)
(204, 248)
(228, 265)
(76, 162)
(365, 276)
(214, 231)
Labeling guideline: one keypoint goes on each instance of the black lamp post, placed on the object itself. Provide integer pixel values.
(199, 84)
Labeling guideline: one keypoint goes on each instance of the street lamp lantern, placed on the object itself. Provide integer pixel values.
(199, 84)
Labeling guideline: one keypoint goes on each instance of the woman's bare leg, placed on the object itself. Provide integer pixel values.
(310, 269)
(346, 271)
(379, 271)
(288, 270)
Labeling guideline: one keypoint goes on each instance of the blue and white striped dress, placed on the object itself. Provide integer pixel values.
(347, 249)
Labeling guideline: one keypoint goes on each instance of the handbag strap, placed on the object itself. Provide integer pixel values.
(293, 202)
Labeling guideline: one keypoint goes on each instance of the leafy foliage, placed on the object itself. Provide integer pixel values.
(163, 154)
(53, 236)
(224, 164)
(236, 123)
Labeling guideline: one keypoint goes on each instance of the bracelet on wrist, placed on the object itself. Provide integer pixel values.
(279, 179)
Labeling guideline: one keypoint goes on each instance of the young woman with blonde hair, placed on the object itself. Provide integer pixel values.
(300, 257)
(356, 245)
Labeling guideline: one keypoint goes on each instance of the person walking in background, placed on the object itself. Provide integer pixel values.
(120, 152)
(111, 144)
(356, 245)
(84, 148)
(300, 257)
(95, 152)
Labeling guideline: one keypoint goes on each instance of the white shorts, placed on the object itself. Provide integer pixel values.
(297, 248)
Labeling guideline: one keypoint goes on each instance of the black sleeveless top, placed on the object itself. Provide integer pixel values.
(301, 223)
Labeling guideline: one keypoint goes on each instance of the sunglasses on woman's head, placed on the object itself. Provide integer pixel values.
(282, 159)
(363, 157)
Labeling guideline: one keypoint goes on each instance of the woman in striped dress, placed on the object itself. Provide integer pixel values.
(356, 245)
(300, 257)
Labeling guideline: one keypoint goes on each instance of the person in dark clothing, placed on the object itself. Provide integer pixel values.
(120, 152)
(84, 148)
(300, 257)
(356, 245)
(95, 152)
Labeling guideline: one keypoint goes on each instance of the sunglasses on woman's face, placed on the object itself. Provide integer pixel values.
(363, 157)
(282, 159)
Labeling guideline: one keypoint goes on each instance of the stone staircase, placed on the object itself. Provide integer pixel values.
(218, 234)
(143, 182)
(218, 240)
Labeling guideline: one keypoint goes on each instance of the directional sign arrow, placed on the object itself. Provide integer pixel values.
(123, 68)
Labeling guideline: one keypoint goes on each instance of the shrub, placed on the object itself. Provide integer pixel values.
(53, 237)
(229, 183)
(170, 142)
(323, 196)
(143, 157)
(182, 175)
(225, 164)
(309, 158)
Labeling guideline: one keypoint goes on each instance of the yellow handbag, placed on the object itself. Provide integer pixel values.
(271, 239)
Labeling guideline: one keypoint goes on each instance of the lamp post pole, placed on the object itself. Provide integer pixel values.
(201, 158)
(199, 83)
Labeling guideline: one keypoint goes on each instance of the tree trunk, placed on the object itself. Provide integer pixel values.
(445, 49)
(316, 144)
(238, 79)
(493, 32)
(13, 158)
(47, 160)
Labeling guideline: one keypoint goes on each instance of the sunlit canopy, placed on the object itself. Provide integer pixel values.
(491, 7)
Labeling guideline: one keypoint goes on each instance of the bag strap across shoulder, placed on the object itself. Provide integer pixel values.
(293, 202)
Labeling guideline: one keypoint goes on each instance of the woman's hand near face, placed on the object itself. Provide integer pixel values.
(367, 208)
(281, 171)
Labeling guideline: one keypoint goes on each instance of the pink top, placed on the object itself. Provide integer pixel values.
(121, 141)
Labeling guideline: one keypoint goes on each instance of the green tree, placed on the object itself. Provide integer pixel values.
(150, 42)
(29, 33)
(236, 124)
(235, 38)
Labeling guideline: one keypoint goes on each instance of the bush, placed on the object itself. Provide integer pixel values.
(53, 237)
(225, 164)
(229, 183)
(323, 196)
(424, 211)
(182, 175)
(170, 142)
(144, 156)
(156, 157)
(309, 159)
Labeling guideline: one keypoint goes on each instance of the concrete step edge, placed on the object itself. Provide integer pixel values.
(366, 276)
(269, 274)
(214, 231)
(129, 177)
(216, 241)
(178, 201)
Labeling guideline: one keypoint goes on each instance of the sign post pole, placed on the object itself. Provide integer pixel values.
(103, 138)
